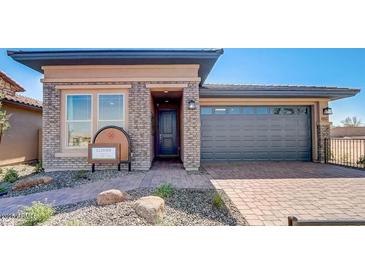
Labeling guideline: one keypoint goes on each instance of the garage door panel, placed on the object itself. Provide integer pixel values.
(256, 137)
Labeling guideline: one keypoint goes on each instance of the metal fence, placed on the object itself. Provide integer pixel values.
(345, 152)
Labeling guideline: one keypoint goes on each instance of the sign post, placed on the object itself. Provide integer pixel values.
(103, 153)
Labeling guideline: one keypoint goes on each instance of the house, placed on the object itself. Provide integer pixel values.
(348, 132)
(20, 143)
(160, 98)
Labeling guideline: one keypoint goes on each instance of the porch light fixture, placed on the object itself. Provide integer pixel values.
(327, 111)
(191, 104)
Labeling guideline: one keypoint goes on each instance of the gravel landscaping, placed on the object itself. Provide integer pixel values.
(186, 207)
(61, 179)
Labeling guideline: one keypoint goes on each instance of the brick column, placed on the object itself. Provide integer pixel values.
(139, 125)
(51, 126)
(323, 131)
(191, 129)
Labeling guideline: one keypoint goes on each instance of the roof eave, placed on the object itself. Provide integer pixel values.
(36, 59)
(331, 95)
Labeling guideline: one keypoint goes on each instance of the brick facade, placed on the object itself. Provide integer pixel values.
(323, 131)
(139, 127)
(191, 129)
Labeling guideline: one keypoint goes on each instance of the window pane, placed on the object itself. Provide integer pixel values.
(206, 111)
(111, 107)
(78, 107)
(220, 111)
(262, 110)
(78, 134)
(288, 111)
(248, 110)
(276, 110)
(110, 123)
(234, 110)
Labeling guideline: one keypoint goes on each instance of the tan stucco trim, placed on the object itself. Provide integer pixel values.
(72, 67)
(121, 73)
(96, 79)
(259, 101)
(83, 87)
(75, 152)
(166, 85)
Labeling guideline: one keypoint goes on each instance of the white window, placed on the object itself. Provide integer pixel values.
(78, 120)
(111, 110)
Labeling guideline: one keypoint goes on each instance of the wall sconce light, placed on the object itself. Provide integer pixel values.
(191, 104)
(327, 111)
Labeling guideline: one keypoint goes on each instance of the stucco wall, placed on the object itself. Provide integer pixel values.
(20, 142)
(354, 132)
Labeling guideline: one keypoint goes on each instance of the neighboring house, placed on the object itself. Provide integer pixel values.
(160, 99)
(348, 132)
(20, 143)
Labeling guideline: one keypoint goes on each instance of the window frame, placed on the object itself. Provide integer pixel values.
(67, 121)
(97, 108)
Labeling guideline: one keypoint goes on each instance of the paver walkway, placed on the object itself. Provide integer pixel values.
(160, 173)
(267, 193)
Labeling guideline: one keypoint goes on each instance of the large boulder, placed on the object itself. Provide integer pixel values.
(111, 196)
(32, 182)
(151, 208)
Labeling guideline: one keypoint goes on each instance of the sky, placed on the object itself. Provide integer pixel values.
(319, 67)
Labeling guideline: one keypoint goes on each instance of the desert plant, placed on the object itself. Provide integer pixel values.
(80, 174)
(11, 175)
(2, 189)
(217, 201)
(351, 122)
(36, 214)
(361, 160)
(38, 168)
(164, 191)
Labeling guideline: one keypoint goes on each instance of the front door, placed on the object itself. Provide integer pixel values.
(167, 137)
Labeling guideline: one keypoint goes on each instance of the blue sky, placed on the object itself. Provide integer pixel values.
(323, 67)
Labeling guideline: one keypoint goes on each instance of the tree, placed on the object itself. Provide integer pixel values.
(351, 122)
(4, 119)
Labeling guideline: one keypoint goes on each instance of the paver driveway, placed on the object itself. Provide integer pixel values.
(266, 193)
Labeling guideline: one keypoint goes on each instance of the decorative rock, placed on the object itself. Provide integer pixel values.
(151, 208)
(111, 196)
(31, 182)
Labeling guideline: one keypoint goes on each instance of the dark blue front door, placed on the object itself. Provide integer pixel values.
(167, 145)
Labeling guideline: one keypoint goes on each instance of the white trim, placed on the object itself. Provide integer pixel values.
(97, 108)
(66, 120)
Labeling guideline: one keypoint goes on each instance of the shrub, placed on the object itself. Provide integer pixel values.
(36, 214)
(164, 191)
(11, 175)
(1, 171)
(361, 160)
(2, 189)
(38, 168)
(80, 174)
(217, 201)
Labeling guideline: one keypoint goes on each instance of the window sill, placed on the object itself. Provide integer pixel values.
(71, 154)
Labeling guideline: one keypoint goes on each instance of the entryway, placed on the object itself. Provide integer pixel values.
(166, 123)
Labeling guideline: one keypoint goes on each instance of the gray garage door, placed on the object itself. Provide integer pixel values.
(256, 133)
